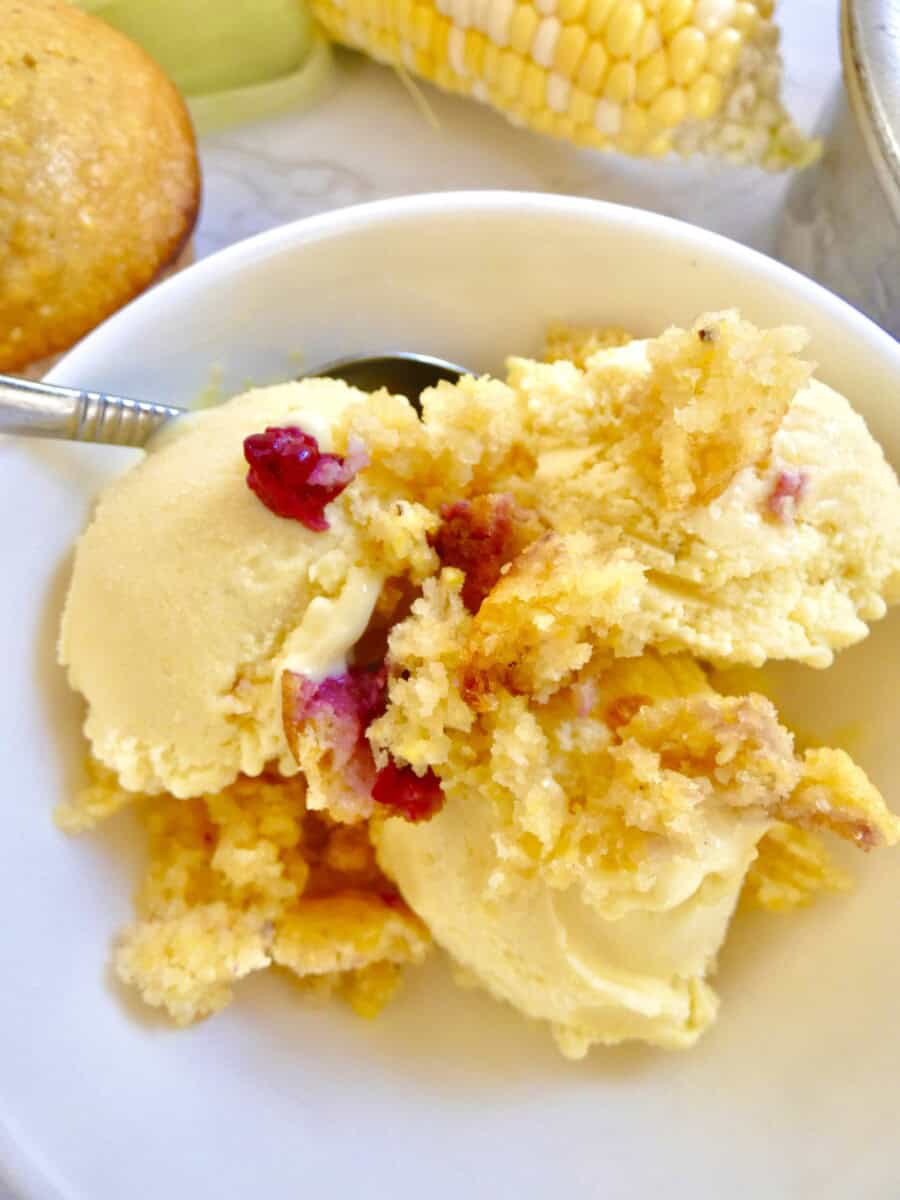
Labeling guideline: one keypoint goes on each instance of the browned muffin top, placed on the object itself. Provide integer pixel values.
(99, 186)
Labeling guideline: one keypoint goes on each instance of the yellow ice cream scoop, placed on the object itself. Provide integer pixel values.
(186, 591)
(555, 956)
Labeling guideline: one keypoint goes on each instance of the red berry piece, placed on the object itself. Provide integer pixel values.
(415, 797)
(788, 490)
(293, 478)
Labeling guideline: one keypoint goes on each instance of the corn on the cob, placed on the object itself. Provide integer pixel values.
(644, 77)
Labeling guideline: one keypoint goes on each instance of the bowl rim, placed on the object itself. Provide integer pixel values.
(228, 261)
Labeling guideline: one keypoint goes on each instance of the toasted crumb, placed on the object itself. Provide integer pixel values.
(719, 393)
(346, 931)
(835, 794)
(792, 868)
(248, 878)
(188, 964)
(542, 620)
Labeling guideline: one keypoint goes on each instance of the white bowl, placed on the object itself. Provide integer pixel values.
(792, 1094)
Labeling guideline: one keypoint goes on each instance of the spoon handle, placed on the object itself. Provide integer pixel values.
(46, 410)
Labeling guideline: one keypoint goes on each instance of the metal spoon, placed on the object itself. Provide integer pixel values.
(47, 410)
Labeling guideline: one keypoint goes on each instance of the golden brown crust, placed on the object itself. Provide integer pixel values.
(100, 187)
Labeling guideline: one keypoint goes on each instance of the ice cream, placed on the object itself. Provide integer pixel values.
(555, 957)
(189, 597)
(477, 642)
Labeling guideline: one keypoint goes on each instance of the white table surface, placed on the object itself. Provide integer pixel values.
(336, 154)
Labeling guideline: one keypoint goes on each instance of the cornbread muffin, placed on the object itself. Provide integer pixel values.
(100, 185)
(450, 676)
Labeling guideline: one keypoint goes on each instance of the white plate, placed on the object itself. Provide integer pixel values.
(794, 1093)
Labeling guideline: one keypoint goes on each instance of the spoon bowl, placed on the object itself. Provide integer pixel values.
(402, 373)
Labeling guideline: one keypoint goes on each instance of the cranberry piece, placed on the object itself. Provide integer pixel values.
(293, 478)
(479, 537)
(789, 489)
(415, 797)
(342, 707)
(358, 696)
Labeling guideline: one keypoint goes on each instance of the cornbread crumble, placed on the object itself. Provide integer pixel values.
(477, 703)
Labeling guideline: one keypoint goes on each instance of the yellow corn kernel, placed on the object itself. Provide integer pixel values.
(443, 76)
(509, 77)
(608, 118)
(474, 52)
(658, 146)
(620, 83)
(423, 64)
(541, 120)
(704, 97)
(563, 126)
(404, 18)
(593, 137)
(490, 64)
(746, 16)
(370, 14)
(674, 14)
(421, 26)
(598, 13)
(581, 106)
(569, 50)
(623, 28)
(649, 42)
(652, 77)
(766, 8)
(627, 145)
(592, 71)
(687, 54)
(571, 10)
(669, 108)
(534, 86)
(522, 28)
(653, 6)
(723, 52)
(635, 123)
(440, 35)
